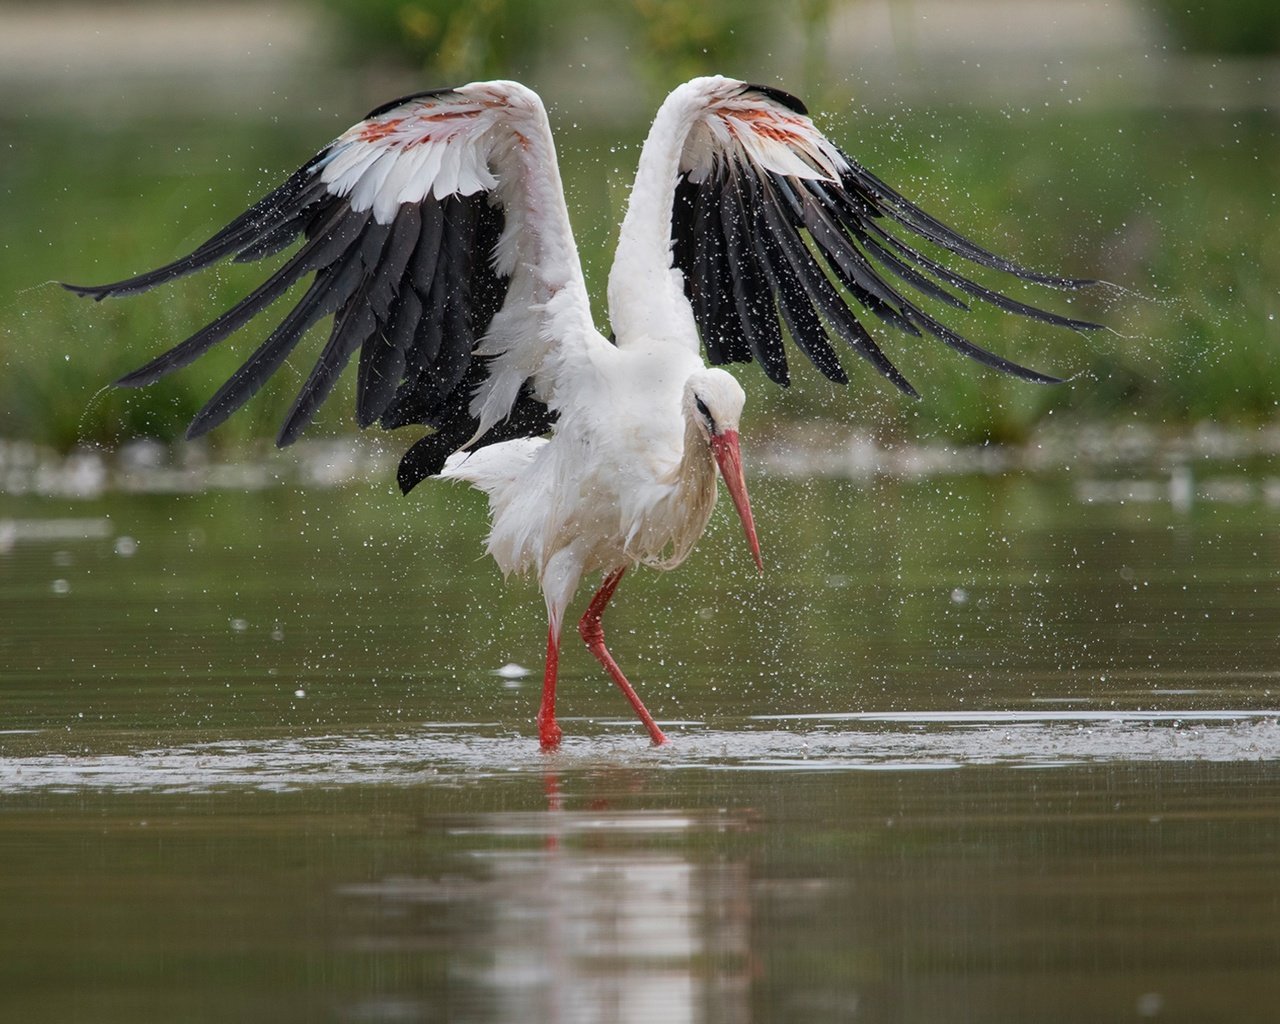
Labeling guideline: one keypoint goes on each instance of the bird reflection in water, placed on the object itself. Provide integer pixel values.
(571, 914)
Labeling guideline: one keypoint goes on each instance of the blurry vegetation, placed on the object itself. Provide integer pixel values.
(669, 40)
(678, 40)
(1224, 26)
(456, 41)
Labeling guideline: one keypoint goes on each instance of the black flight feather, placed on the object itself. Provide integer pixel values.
(827, 301)
(338, 232)
(906, 213)
(752, 297)
(412, 297)
(780, 97)
(297, 193)
(793, 300)
(738, 237)
(331, 288)
(713, 299)
(426, 457)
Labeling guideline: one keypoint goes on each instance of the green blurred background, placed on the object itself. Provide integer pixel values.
(1130, 141)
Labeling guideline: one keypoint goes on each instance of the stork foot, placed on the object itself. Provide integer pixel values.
(549, 735)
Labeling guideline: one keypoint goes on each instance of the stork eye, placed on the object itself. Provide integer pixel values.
(705, 413)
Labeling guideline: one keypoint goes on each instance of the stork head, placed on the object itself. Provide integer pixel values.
(713, 403)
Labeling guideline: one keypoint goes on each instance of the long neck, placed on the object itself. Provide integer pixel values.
(697, 489)
(645, 300)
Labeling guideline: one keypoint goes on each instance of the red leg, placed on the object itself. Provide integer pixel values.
(593, 633)
(548, 731)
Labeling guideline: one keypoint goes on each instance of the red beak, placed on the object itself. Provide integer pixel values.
(729, 458)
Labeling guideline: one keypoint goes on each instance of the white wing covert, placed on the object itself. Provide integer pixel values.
(435, 232)
(769, 216)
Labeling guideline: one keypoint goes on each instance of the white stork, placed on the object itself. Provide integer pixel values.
(436, 234)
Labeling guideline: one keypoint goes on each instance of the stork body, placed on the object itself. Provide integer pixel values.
(436, 233)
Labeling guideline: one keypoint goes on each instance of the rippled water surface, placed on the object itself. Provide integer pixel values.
(973, 748)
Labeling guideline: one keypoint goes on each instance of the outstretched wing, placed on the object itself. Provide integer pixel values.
(772, 222)
(435, 233)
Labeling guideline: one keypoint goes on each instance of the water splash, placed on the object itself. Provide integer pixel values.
(469, 754)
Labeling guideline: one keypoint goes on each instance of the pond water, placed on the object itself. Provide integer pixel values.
(974, 748)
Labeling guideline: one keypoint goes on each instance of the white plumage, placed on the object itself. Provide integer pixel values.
(438, 236)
